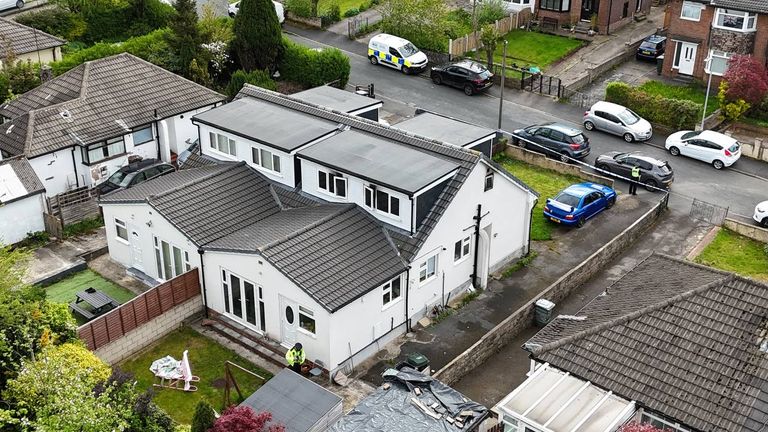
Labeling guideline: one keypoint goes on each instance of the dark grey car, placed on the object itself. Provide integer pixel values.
(654, 173)
(554, 139)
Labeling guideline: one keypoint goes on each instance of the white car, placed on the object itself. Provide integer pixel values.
(618, 120)
(234, 7)
(709, 146)
(761, 214)
(8, 4)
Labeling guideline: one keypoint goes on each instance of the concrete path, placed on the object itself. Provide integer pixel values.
(674, 234)
(342, 27)
(57, 258)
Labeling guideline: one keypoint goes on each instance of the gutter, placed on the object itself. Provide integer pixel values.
(477, 219)
(202, 274)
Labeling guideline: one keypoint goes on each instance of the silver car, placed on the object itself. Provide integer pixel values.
(618, 120)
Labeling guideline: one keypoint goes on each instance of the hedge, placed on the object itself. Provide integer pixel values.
(674, 113)
(257, 77)
(311, 67)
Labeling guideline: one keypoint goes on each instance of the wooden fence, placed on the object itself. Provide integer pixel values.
(74, 206)
(462, 45)
(142, 309)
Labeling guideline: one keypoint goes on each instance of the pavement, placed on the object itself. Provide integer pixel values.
(370, 16)
(674, 234)
(62, 258)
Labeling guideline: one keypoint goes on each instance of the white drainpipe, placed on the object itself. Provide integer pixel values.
(163, 141)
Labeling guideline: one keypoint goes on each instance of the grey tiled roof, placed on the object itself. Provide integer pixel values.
(26, 176)
(760, 6)
(23, 39)
(163, 184)
(114, 93)
(681, 339)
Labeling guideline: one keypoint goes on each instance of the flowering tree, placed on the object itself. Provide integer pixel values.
(747, 80)
(245, 419)
(638, 427)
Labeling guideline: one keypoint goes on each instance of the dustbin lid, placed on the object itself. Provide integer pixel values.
(417, 360)
(545, 304)
(661, 57)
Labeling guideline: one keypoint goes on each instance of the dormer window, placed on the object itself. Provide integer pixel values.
(382, 201)
(332, 183)
(730, 19)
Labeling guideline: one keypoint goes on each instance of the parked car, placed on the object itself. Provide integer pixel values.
(554, 139)
(279, 10)
(651, 47)
(654, 173)
(761, 214)
(9, 4)
(397, 53)
(134, 173)
(709, 146)
(618, 120)
(579, 202)
(468, 75)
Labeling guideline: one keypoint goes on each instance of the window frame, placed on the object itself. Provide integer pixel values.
(678, 53)
(555, 5)
(151, 135)
(690, 5)
(489, 179)
(388, 198)
(737, 14)
(721, 55)
(464, 250)
(331, 186)
(173, 266)
(104, 146)
(216, 145)
(387, 290)
(307, 313)
(424, 273)
(258, 157)
(121, 224)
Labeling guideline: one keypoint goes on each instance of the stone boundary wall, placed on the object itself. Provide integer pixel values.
(507, 330)
(542, 161)
(747, 230)
(310, 22)
(591, 74)
(140, 337)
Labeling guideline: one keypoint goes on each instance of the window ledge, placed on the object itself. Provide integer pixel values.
(307, 332)
(105, 159)
(462, 259)
(392, 303)
(216, 151)
(741, 30)
(427, 280)
(142, 143)
(123, 241)
(691, 19)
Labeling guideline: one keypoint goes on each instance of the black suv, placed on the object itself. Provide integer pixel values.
(651, 47)
(654, 173)
(558, 140)
(133, 174)
(468, 75)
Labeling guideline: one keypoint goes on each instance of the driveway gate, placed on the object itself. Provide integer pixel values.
(712, 213)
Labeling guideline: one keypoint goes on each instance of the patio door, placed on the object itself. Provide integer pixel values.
(244, 301)
(137, 259)
(687, 58)
(589, 8)
(290, 321)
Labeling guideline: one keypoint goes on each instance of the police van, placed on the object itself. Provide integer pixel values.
(397, 53)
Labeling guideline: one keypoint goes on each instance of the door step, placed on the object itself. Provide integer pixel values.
(239, 334)
(683, 79)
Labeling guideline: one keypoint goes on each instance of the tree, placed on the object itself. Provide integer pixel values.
(637, 427)
(258, 39)
(489, 36)
(204, 417)
(747, 80)
(422, 22)
(256, 77)
(184, 39)
(244, 419)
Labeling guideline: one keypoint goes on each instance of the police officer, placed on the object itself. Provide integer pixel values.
(295, 358)
(635, 180)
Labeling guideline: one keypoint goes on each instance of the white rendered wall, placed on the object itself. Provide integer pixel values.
(21, 217)
(181, 129)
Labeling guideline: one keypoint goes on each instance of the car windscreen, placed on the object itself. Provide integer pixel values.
(568, 199)
(578, 139)
(665, 168)
(647, 45)
(126, 180)
(689, 135)
(117, 177)
(408, 50)
(628, 117)
(484, 74)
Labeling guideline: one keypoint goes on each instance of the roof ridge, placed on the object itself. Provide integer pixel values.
(62, 103)
(29, 131)
(35, 30)
(343, 208)
(541, 349)
(217, 170)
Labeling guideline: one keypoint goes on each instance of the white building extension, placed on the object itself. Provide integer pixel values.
(22, 201)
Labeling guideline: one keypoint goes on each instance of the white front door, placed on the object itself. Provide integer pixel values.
(290, 321)
(687, 58)
(137, 259)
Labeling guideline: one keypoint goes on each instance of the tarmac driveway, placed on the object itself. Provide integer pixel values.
(633, 72)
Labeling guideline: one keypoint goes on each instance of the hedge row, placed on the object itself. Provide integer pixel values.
(312, 67)
(674, 113)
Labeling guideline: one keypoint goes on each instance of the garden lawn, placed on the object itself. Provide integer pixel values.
(547, 183)
(526, 48)
(206, 359)
(344, 5)
(64, 290)
(735, 253)
(692, 93)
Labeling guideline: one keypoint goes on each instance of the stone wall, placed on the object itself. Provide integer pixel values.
(540, 160)
(142, 336)
(310, 22)
(507, 330)
(733, 42)
(747, 230)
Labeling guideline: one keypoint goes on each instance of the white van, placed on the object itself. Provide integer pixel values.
(8, 4)
(397, 53)
(234, 7)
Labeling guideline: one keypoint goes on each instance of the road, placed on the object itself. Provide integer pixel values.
(738, 188)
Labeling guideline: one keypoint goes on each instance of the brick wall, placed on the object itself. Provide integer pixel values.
(507, 330)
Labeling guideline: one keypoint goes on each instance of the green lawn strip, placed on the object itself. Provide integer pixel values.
(344, 5)
(692, 93)
(754, 122)
(64, 290)
(735, 253)
(539, 49)
(206, 359)
(547, 183)
(520, 264)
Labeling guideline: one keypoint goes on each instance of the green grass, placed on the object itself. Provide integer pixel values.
(344, 5)
(547, 183)
(86, 226)
(64, 290)
(206, 359)
(754, 122)
(693, 92)
(526, 48)
(736, 253)
(521, 263)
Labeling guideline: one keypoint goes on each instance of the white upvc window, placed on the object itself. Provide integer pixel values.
(717, 62)
(103, 150)
(428, 269)
(143, 135)
(223, 143)
(384, 202)
(332, 183)
(265, 159)
(171, 260)
(730, 19)
(391, 291)
(461, 249)
(121, 230)
(488, 180)
(307, 320)
(691, 11)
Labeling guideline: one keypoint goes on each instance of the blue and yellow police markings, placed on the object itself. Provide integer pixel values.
(389, 58)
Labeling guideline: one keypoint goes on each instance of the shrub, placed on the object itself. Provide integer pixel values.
(423, 22)
(301, 8)
(490, 11)
(732, 110)
(257, 77)
(313, 68)
(55, 21)
(334, 12)
(760, 111)
(245, 419)
(747, 80)
(258, 36)
(363, 7)
(204, 417)
(675, 113)
(351, 12)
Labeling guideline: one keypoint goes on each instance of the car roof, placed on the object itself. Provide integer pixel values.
(717, 137)
(579, 189)
(655, 38)
(389, 39)
(608, 106)
(568, 130)
(469, 64)
(139, 165)
(645, 157)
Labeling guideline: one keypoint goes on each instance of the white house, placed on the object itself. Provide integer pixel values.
(28, 44)
(82, 126)
(322, 228)
(22, 201)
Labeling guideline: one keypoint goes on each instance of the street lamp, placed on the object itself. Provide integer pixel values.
(503, 74)
(708, 66)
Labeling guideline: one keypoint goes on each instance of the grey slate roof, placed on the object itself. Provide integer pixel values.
(760, 6)
(266, 123)
(23, 39)
(400, 167)
(681, 339)
(337, 99)
(26, 176)
(445, 129)
(295, 402)
(100, 96)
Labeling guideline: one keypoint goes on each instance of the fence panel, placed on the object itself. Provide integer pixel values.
(74, 206)
(471, 41)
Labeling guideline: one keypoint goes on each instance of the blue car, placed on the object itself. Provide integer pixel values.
(579, 202)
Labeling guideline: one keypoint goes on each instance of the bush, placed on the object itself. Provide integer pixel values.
(423, 22)
(732, 110)
(351, 12)
(674, 113)
(334, 13)
(204, 417)
(301, 8)
(111, 21)
(490, 11)
(313, 68)
(363, 7)
(760, 111)
(58, 22)
(257, 77)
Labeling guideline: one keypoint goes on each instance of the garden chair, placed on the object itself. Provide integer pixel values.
(174, 374)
